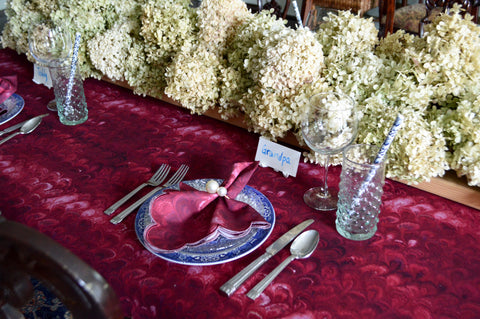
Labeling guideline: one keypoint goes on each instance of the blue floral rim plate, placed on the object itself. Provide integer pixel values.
(221, 250)
(11, 107)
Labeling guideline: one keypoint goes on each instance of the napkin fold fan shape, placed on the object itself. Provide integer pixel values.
(191, 217)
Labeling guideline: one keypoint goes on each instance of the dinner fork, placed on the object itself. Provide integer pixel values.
(175, 179)
(155, 180)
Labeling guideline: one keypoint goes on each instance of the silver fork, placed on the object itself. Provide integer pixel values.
(176, 178)
(155, 180)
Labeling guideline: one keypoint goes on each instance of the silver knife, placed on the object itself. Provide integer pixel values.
(230, 286)
(16, 126)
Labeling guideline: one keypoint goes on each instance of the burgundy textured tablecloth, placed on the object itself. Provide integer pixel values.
(424, 261)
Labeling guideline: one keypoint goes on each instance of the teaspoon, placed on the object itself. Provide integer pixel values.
(302, 247)
(26, 128)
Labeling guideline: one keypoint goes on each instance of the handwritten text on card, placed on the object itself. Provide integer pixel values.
(278, 157)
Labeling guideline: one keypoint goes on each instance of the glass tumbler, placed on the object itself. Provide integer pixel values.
(361, 189)
(75, 112)
(51, 45)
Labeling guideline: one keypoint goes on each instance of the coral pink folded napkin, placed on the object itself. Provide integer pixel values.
(8, 86)
(190, 217)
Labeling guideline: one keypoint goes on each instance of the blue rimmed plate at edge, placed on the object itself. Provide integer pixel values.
(221, 250)
(11, 107)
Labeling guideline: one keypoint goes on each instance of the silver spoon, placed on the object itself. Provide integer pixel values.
(302, 247)
(26, 128)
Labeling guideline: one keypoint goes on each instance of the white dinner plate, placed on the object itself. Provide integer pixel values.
(221, 250)
(11, 107)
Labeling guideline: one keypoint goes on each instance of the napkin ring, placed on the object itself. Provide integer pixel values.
(213, 187)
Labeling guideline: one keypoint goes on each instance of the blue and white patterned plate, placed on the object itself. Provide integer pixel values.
(221, 250)
(11, 107)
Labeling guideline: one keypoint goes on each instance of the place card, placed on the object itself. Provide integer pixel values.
(41, 75)
(278, 157)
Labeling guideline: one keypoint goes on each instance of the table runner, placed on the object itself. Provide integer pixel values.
(422, 263)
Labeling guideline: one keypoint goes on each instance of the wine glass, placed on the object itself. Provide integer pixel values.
(51, 45)
(329, 125)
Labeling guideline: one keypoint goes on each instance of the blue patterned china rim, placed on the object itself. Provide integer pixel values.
(221, 250)
(11, 107)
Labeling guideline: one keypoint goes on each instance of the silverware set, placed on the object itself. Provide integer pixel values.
(24, 127)
(303, 246)
(155, 181)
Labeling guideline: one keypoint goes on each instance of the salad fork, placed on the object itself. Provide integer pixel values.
(175, 179)
(155, 180)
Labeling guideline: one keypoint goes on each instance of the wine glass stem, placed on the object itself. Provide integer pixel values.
(325, 177)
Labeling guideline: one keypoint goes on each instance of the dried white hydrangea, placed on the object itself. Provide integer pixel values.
(91, 17)
(88, 17)
(166, 26)
(466, 162)
(441, 59)
(231, 84)
(235, 79)
(218, 21)
(223, 55)
(21, 16)
(462, 129)
(192, 78)
(418, 151)
(109, 50)
(143, 77)
(348, 43)
(273, 63)
(293, 59)
(427, 79)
